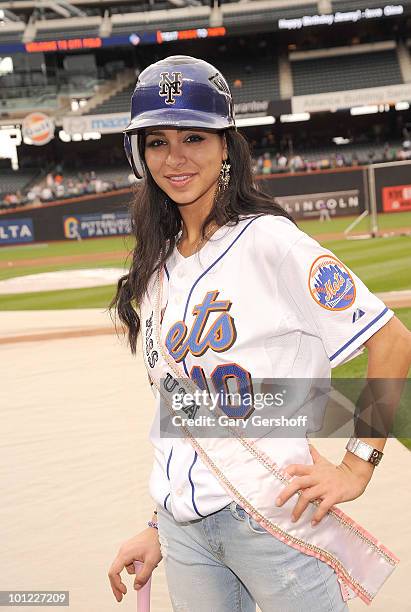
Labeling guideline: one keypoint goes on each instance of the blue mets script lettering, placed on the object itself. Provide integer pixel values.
(219, 337)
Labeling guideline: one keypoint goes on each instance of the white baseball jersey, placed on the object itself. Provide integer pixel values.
(259, 300)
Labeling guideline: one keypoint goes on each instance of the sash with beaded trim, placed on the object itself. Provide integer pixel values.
(361, 562)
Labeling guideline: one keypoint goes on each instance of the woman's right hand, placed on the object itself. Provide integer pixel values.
(145, 546)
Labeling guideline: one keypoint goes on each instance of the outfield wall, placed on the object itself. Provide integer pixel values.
(90, 216)
(343, 191)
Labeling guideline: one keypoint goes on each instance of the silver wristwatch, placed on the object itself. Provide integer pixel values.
(364, 451)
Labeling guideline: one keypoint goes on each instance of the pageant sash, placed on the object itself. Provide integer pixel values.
(361, 562)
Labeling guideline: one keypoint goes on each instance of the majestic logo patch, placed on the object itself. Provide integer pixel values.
(357, 315)
(331, 284)
(170, 86)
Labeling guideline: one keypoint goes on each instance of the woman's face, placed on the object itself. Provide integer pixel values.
(185, 164)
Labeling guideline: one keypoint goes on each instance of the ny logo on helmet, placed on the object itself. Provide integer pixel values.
(170, 88)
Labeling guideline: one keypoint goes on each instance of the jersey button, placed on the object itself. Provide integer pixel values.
(179, 492)
(177, 299)
(180, 273)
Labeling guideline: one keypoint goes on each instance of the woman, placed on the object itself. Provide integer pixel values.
(231, 292)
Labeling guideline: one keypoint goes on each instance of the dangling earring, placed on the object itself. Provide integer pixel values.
(224, 178)
(167, 204)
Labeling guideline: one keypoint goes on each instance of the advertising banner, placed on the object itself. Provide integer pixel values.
(105, 124)
(37, 129)
(115, 123)
(15, 231)
(309, 205)
(77, 227)
(336, 100)
(396, 198)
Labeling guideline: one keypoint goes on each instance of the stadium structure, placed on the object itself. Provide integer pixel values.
(321, 89)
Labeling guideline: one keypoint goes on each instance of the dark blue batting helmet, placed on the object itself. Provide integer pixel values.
(177, 92)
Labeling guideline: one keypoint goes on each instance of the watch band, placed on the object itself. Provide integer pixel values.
(364, 450)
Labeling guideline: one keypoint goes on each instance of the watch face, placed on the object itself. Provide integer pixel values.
(363, 450)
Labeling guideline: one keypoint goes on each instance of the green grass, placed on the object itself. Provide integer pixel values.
(88, 297)
(339, 224)
(75, 247)
(383, 264)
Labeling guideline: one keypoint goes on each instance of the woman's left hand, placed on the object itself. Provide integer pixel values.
(323, 481)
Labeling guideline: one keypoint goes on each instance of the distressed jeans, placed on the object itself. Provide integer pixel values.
(227, 562)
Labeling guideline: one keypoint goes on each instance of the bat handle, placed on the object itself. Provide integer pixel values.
(143, 594)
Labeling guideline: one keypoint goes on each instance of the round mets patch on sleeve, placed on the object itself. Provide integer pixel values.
(331, 284)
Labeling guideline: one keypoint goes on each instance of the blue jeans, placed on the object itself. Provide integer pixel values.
(226, 562)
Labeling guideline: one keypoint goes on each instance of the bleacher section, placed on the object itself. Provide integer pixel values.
(110, 174)
(12, 181)
(118, 103)
(259, 79)
(345, 72)
(360, 152)
(248, 81)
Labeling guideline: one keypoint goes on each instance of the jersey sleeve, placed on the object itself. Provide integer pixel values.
(335, 303)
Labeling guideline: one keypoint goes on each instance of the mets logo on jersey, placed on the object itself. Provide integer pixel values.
(219, 337)
(331, 284)
(170, 86)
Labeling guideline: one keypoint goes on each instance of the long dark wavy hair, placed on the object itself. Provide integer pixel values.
(156, 222)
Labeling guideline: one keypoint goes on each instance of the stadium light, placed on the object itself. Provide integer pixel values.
(250, 121)
(295, 117)
(364, 110)
(402, 106)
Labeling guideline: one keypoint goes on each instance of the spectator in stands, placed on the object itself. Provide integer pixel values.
(267, 164)
(46, 194)
(32, 197)
(59, 190)
(282, 161)
(296, 163)
(50, 180)
(260, 164)
(389, 152)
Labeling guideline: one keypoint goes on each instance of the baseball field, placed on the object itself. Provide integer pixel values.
(77, 410)
(383, 263)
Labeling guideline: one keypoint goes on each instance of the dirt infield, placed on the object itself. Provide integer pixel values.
(40, 325)
(76, 463)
